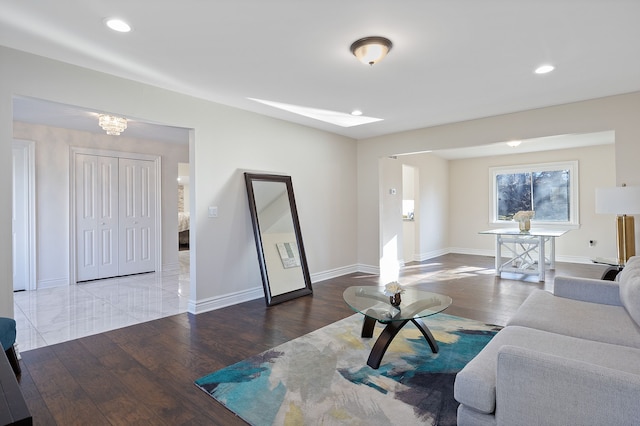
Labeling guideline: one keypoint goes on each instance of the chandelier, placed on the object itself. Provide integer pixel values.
(111, 124)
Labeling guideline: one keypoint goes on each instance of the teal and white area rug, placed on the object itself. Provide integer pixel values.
(322, 378)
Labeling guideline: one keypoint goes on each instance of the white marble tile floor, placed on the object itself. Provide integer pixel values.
(53, 315)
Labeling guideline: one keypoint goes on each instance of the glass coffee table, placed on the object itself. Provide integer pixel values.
(375, 306)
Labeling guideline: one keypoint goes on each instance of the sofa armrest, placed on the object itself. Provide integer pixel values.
(542, 389)
(588, 290)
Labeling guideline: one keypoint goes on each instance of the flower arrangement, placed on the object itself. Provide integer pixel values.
(393, 288)
(524, 215)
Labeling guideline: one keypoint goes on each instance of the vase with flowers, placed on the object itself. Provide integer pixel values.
(523, 217)
(394, 290)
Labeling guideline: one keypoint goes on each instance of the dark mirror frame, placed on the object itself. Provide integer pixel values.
(271, 299)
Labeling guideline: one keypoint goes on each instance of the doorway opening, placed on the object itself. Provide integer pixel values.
(184, 200)
(57, 309)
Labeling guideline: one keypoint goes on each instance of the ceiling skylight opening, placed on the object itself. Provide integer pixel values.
(544, 69)
(117, 25)
(413, 153)
(333, 117)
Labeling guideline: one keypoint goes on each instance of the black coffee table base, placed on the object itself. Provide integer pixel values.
(388, 334)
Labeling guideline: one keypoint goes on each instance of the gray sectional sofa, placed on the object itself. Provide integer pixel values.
(567, 358)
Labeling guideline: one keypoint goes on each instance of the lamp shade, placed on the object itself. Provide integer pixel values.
(618, 200)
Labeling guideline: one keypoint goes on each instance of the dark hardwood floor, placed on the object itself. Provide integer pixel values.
(144, 374)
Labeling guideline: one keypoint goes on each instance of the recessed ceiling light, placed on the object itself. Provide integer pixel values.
(356, 112)
(118, 25)
(513, 144)
(543, 69)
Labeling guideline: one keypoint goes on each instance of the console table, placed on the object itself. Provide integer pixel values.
(525, 251)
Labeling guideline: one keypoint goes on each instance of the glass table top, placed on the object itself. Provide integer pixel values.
(372, 302)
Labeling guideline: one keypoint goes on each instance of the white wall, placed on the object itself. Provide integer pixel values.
(391, 213)
(52, 148)
(469, 205)
(617, 113)
(430, 228)
(432, 214)
(410, 227)
(224, 143)
(329, 191)
(454, 203)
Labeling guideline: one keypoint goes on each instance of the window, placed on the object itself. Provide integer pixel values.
(550, 189)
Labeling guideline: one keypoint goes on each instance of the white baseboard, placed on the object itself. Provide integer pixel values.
(368, 269)
(58, 282)
(492, 253)
(475, 252)
(334, 273)
(574, 259)
(213, 303)
(421, 257)
(171, 267)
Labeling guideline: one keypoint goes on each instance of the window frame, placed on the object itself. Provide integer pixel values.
(574, 204)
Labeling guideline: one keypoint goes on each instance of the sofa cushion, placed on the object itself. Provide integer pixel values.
(475, 384)
(629, 283)
(587, 289)
(536, 388)
(593, 321)
(470, 417)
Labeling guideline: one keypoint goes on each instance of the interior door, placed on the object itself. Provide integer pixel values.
(97, 217)
(137, 192)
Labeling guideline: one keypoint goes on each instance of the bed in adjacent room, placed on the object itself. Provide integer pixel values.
(183, 230)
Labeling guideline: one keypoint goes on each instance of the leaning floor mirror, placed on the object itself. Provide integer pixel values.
(276, 228)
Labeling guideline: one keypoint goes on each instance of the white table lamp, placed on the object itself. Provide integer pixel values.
(622, 201)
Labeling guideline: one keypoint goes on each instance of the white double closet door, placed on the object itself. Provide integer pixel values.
(115, 216)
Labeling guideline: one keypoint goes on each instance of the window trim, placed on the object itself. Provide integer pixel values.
(574, 202)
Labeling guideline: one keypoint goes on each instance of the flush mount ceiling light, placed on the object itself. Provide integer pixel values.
(513, 144)
(111, 124)
(371, 50)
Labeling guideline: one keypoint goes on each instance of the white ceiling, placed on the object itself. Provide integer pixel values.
(548, 143)
(38, 111)
(451, 60)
